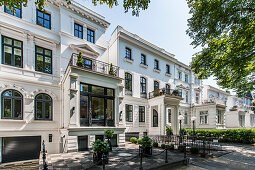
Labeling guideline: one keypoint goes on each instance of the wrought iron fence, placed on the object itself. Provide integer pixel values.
(94, 65)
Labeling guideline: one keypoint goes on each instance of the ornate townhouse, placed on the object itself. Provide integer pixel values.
(63, 83)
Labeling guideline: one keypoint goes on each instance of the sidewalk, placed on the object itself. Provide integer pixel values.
(120, 158)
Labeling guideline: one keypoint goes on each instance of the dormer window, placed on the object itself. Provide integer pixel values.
(78, 31)
(90, 35)
(128, 54)
(17, 11)
(156, 64)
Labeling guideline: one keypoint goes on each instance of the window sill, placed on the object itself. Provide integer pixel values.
(144, 66)
(128, 60)
(12, 120)
(44, 121)
(168, 74)
(156, 70)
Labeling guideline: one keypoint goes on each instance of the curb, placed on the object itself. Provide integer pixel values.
(171, 165)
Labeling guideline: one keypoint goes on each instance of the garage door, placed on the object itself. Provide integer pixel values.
(20, 148)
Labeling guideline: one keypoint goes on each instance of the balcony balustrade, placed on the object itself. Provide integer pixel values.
(164, 91)
(93, 65)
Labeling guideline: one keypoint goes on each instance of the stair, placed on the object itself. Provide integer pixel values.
(71, 144)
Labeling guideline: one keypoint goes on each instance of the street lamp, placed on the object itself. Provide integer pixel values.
(193, 119)
(180, 119)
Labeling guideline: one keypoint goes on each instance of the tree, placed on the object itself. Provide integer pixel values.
(226, 31)
(135, 5)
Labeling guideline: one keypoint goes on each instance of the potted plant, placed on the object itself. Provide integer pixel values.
(111, 72)
(80, 60)
(133, 139)
(169, 131)
(108, 135)
(100, 148)
(176, 92)
(156, 92)
(146, 145)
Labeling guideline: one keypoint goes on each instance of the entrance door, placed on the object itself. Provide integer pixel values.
(20, 148)
(82, 143)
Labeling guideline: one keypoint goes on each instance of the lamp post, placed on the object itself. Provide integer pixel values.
(180, 119)
(193, 119)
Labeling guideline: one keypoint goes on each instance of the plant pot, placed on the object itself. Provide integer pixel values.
(147, 150)
(98, 158)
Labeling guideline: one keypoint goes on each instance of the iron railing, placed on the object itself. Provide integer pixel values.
(164, 91)
(94, 65)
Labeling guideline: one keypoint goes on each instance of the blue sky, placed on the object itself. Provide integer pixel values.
(164, 24)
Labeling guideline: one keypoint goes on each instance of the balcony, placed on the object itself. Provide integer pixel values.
(164, 91)
(217, 101)
(96, 66)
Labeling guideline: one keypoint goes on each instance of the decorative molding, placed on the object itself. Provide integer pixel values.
(37, 91)
(85, 48)
(15, 87)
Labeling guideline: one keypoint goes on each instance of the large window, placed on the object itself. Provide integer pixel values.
(187, 96)
(156, 85)
(78, 31)
(197, 98)
(12, 52)
(43, 107)
(203, 117)
(143, 85)
(128, 84)
(220, 119)
(155, 118)
(141, 113)
(156, 64)
(43, 60)
(186, 78)
(17, 11)
(242, 120)
(185, 118)
(143, 59)
(90, 35)
(43, 19)
(128, 54)
(180, 75)
(167, 69)
(96, 105)
(12, 104)
(129, 113)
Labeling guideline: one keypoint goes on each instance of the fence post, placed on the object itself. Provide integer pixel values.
(185, 151)
(45, 166)
(203, 147)
(141, 157)
(166, 159)
(104, 160)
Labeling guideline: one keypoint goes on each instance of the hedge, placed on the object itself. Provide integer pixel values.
(246, 136)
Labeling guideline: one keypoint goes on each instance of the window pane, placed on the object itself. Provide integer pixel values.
(47, 52)
(47, 110)
(40, 14)
(97, 108)
(7, 41)
(16, 94)
(84, 107)
(46, 24)
(84, 88)
(7, 108)
(17, 108)
(40, 21)
(98, 90)
(39, 50)
(17, 44)
(40, 96)
(18, 13)
(39, 110)
(109, 92)
(47, 65)
(47, 16)
(18, 57)
(110, 109)
(8, 93)
(7, 55)
(47, 97)
(39, 63)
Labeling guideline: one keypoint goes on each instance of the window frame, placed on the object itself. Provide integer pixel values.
(156, 64)
(79, 26)
(141, 113)
(168, 69)
(13, 13)
(187, 96)
(169, 113)
(185, 118)
(143, 59)
(90, 37)
(128, 53)
(12, 97)
(204, 115)
(36, 69)
(179, 75)
(44, 13)
(155, 115)
(128, 112)
(128, 82)
(143, 84)
(156, 82)
(43, 107)
(13, 47)
(186, 78)
(197, 98)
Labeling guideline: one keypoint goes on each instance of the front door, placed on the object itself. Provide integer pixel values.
(82, 143)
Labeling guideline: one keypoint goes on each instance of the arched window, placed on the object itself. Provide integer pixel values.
(128, 83)
(12, 104)
(43, 107)
(155, 118)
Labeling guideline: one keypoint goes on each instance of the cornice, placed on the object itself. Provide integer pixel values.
(81, 10)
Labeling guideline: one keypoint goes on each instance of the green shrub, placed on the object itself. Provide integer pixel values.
(100, 146)
(169, 131)
(108, 133)
(171, 147)
(163, 146)
(146, 142)
(133, 140)
(139, 141)
(80, 60)
(155, 144)
(194, 150)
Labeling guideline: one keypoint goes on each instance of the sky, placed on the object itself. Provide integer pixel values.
(164, 24)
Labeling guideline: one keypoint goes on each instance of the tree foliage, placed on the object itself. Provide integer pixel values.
(226, 31)
(134, 5)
